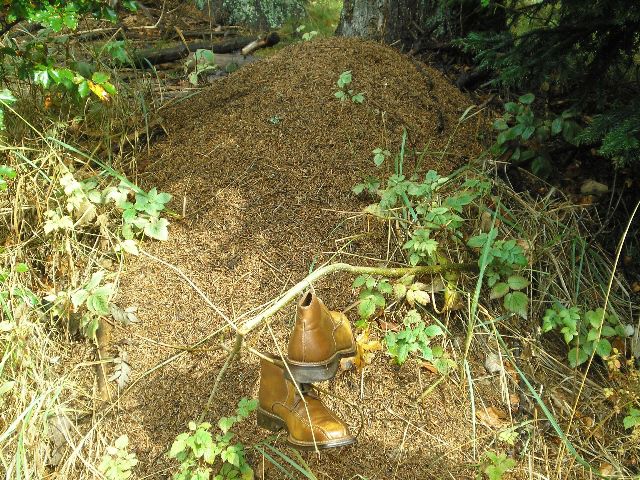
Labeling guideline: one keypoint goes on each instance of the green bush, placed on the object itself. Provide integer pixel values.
(585, 52)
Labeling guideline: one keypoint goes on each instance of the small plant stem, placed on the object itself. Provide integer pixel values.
(430, 388)
(298, 289)
(237, 344)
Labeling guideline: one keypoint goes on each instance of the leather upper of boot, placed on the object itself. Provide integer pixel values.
(318, 335)
(279, 397)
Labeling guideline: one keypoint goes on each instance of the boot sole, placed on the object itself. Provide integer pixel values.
(306, 373)
(273, 423)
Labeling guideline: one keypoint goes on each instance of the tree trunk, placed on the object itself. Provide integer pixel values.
(411, 21)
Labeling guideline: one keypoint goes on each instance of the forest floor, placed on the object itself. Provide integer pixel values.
(261, 166)
(263, 202)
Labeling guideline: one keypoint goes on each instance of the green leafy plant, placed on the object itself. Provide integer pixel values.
(632, 420)
(118, 463)
(6, 173)
(504, 259)
(143, 215)
(203, 61)
(6, 99)
(345, 93)
(379, 156)
(416, 336)
(91, 302)
(524, 138)
(587, 332)
(433, 210)
(37, 59)
(371, 296)
(496, 465)
(200, 453)
(306, 36)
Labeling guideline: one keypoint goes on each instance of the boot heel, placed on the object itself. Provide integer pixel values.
(265, 420)
(312, 374)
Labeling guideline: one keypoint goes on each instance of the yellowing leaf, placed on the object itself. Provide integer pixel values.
(100, 92)
(365, 350)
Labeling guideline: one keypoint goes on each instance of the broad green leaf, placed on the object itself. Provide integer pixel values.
(22, 267)
(385, 287)
(83, 89)
(499, 290)
(96, 279)
(359, 281)
(7, 97)
(157, 228)
(603, 348)
(177, 446)
(225, 423)
(517, 302)
(79, 297)
(527, 99)
(577, 356)
(633, 419)
(556, 126)
(517, 282)
(433, 330)
(367, 307)
(100, 77)
(98, 304)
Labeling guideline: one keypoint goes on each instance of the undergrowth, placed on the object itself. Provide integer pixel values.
(540, 273)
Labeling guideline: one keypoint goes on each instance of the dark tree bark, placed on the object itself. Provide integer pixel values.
(416, 22)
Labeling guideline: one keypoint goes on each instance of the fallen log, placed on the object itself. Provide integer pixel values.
(147, 58)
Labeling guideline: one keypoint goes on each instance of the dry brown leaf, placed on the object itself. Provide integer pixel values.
(122, 369)
(607, 469)
(492, 417)
(388, 326)
(429, 366)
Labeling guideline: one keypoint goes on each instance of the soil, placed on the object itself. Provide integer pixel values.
(261, 166)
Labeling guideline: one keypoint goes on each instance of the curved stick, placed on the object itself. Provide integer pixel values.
(297, 289)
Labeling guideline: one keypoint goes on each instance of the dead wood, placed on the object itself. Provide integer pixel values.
(147, 58)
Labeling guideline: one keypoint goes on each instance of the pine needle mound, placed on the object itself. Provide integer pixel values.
(262, 164)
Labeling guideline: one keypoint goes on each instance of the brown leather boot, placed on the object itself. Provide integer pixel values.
(280, 406)
(319, 339)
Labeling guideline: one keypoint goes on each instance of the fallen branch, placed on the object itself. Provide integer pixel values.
(237, 344)
(268, 41)
(299, 288)
(302, 285)
(147, 58)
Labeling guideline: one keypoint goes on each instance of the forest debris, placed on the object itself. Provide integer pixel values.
(493, 364)
(147, 58)
(365, 351)
(122, 370)
(591, 187)
(59, 432)
(492, 417)
(125, 316)
(269, 41)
